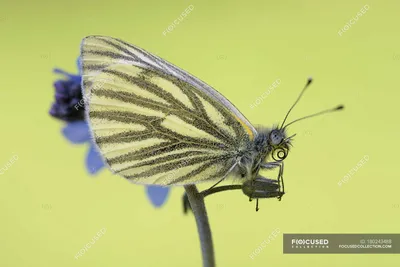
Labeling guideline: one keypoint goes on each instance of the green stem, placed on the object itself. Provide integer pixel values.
(196, 201)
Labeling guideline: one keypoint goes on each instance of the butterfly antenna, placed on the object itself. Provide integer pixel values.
(297, 100)
(316, 114)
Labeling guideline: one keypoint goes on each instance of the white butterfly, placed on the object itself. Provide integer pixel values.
(157, 124)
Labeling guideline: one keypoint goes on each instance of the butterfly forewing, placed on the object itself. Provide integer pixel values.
(150, 123)
(100, 52)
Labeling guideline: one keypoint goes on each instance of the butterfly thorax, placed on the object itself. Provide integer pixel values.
(262, 149)
(254, 155)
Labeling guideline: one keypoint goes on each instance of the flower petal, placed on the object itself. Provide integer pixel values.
(94, 161)
(157, 194)
(78, 64)
(73, 77)
(77, 132)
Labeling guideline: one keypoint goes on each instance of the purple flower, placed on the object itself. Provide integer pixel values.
(68, 107)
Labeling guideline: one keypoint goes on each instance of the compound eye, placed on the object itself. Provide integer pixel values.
(276, 137)
(279, 154)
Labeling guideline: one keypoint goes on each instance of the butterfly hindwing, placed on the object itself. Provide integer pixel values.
(151, 125)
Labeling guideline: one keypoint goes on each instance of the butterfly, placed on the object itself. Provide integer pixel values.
(154, 123)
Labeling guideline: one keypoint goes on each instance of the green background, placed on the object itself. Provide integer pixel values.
(50, 207)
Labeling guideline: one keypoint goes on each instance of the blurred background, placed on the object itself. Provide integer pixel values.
(50, 207)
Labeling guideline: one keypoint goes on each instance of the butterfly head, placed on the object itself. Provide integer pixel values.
(279, 142)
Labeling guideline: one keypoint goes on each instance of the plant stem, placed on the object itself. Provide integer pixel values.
(196, 201)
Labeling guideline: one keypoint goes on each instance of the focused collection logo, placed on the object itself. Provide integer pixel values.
(310, 243)
(341, 243)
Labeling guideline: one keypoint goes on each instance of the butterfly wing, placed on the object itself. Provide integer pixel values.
(103, 51)
(154, 123)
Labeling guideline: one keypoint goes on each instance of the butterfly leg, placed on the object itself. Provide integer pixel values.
(262, 187)
(273, 165)
(226, 174)
(259, 188)
(266, 188)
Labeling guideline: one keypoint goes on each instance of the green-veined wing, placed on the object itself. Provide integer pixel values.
(154, 123)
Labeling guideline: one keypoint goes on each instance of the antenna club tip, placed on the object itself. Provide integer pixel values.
(340, 107)
(309, 80)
